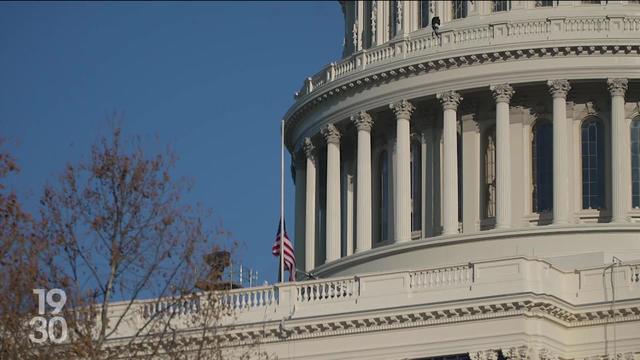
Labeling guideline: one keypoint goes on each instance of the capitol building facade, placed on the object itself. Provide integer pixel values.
(467, 191)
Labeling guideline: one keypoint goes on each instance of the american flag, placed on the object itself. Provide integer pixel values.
(289, 257)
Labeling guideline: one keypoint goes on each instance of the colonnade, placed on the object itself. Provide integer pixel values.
(306, 171)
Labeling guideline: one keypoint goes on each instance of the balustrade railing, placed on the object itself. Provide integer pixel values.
(436, 278)
(425, 43)
(171, 307)
(326, 290)
(250, 298)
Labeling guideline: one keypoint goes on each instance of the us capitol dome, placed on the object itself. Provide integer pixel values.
(479, 180)
(467, 187)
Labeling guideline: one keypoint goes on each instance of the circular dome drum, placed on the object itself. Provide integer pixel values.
(512, 129)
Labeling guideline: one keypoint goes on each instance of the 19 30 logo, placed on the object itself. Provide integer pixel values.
(46, 329)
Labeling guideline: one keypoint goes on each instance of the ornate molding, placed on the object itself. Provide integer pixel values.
(399, 17)
(331, 134)
(546, 354)
(276, 331)
(356, 36)
(484, 355)
(617, 87)
(516, 353)
(309, 149)
(592, 107)
(363, 121)
(402, 109)
(374, 20)
(559, 88)
(449, 99)
(502, 92)
(328, 90)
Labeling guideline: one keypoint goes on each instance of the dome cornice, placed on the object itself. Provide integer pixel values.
(617, 35)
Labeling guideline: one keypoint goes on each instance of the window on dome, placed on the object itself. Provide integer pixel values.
(489, 183)
(635, 163)
(501, 5)
(416, 186)
(459, 9)
(383, 198)
(367, 40)
(592, 134)
(424, 13)
(542, 166)
(544, 3)
(393, 18)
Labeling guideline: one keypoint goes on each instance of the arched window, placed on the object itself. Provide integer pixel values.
(542, 166)
(635, 163)
(383, 192)
(592, 134)
(416, 186)
(489, 182)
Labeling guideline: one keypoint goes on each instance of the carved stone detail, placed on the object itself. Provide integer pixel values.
(309, 149)
(449, 99)
(617, 87)
(502, 92)
(331, 134)
(363, 121)
(399, 17)
(402, 109)
(628, 356)
(356, 36)
(516, 353)
(374, 20)
(546, 354)
(559, 88)
(484, 355)
(591, 107)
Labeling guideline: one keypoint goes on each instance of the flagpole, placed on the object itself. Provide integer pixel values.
(282, 201)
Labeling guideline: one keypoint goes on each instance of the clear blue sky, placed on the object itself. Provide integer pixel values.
(211, 79)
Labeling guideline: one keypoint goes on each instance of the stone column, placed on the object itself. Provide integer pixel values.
(450, 101)
(402, 196)
(310, 210)
(299, 162)
(332, 136)
(619, 188)
(502, 94)
(471, 170)
(363, 123)
(559, 90)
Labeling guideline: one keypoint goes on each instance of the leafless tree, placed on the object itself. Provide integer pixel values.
(123, 244)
